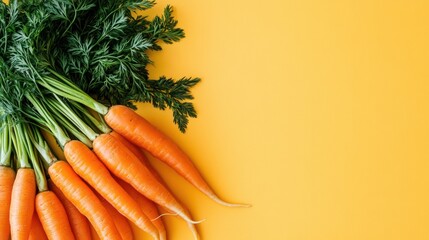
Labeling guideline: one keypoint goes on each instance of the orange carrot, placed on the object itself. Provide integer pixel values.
(139, 131)
(53, 216)
(139, 154)
(7, 176)
(22, 203)
(78, 223)
(121, 222)
(125, 165)
(142, 200)
(148, 207)
(84, 199)
(86, 164)
(37, 232)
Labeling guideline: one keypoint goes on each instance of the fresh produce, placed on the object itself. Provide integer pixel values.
(75, 69)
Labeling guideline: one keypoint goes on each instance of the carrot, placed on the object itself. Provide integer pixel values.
(142, 200)
(78, 223)
(7, 177)
(125, 165)
(139, 154)
(53, 216)
(121, 222)
(139, 131)
(22, 203)
(86, 164)
(148, 207)
(37, 232)
(84, 199)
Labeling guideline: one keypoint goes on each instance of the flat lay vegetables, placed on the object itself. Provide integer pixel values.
(75, 69)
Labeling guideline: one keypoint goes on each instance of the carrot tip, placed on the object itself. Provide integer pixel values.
(227, 204)
(162, 215)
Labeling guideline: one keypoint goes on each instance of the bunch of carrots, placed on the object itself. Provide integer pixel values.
(105, 181)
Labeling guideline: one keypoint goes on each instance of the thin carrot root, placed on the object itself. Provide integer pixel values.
(163, 215)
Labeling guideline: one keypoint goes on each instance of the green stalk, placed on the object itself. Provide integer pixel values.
(64, 108)
(99, 122)
(43, 148)
(48, 120)
(6, 144)
(65, 123)
(64, 88)
(18, 140)
(42, 183)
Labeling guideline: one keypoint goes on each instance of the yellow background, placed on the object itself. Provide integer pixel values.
(315, 112)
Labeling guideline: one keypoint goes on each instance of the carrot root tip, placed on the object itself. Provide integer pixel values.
(162, 215)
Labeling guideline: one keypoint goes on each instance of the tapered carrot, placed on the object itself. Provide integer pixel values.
(78, 223)
(37, 232)
(22, 203)
(84, 199)
(86, 164)
(139, 154)
(140, 198)
(125, 165)
(139, 131)
(7, 177)
(121, 222)
(53, 216)
(149, 208)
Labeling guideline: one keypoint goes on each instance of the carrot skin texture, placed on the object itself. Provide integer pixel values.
(121, 222)
(142, 157)
(37, 232)
(78, 223)
(76, 190)
(139, 154)
(53, 216)
(7, 177)
(140, 132)
(92, 170)
(148, 207)
(23, 195)
(126, 166)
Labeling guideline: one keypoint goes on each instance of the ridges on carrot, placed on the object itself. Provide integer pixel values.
(125, 165)
(86, 164)
(140, 132)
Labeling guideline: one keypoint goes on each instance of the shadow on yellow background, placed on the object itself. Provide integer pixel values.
(316, 112)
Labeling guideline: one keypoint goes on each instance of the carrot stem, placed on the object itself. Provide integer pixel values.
(6, 144)
(48, 120)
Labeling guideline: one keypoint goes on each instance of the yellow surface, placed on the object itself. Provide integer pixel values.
(316, 112)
